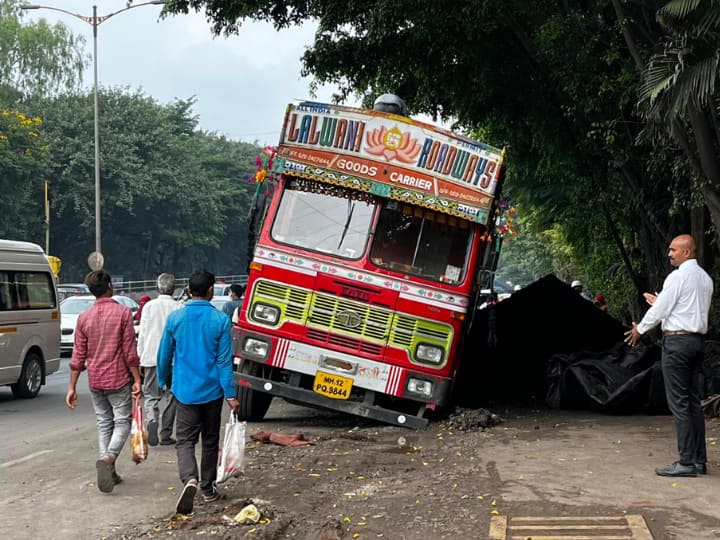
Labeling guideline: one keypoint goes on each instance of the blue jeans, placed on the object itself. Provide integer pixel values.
(113, 409)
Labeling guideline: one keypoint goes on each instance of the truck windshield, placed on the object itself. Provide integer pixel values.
(421, 242)
(324, 218)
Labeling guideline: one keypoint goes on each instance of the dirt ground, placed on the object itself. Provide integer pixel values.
(365, 480)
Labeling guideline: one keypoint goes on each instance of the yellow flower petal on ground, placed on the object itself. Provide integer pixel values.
(495, 513)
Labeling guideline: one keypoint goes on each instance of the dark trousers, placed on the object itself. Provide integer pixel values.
(192, 422)
(682, 363)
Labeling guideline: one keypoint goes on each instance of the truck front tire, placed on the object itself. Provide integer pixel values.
(253, 403)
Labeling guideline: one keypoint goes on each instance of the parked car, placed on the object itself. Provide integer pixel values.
(73, 306)
(29, 326)
(223, 289)
(71, 289)
(220, 301)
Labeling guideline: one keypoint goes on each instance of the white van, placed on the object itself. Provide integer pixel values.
(29, 318)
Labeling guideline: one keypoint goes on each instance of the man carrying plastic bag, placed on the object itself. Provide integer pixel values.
(196, 354)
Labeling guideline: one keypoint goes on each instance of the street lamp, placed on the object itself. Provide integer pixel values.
(95, 21)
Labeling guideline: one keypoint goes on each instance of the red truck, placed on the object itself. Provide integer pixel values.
(369, 257)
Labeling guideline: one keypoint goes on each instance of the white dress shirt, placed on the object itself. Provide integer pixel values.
(152, 324)
(683, 303)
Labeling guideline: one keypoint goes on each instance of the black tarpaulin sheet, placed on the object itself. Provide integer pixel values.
(621, 380)
(547, 344)
(508, 345)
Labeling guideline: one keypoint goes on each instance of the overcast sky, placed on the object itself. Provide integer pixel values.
(242, 83)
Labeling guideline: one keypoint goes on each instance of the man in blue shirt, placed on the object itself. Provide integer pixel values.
(196, 355)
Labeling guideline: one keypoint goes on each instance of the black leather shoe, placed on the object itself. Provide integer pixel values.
(701, 468)
(677, 469)
(167, 442)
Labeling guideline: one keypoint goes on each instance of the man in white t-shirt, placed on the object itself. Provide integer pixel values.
(152, 324)
(682, 309)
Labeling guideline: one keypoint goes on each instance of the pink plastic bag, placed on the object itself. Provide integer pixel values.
(138, 434)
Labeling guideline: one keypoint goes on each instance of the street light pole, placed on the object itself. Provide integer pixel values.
(95, 21)
(96, 124)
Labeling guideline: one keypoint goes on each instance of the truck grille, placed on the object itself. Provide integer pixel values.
(353, 325)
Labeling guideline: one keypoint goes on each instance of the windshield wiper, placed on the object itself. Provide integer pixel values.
(351, 208)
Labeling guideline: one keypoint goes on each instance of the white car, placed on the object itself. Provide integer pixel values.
(73, 306)
(220, 301)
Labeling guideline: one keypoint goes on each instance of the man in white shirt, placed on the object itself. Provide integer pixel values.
(152, 324)
(682, 309)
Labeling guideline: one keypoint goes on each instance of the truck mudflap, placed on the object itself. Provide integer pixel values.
(309, 397)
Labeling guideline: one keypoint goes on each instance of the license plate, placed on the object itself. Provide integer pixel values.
(332, 386)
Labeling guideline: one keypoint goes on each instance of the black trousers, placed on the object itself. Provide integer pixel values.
(682, 363)
(191, 423)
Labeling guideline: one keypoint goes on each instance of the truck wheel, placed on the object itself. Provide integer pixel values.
(30, 378)
(253, 404)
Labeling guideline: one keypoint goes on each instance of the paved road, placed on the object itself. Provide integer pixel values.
(47, 470)
(548, 464)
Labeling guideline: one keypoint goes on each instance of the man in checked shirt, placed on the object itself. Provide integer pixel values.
(105, 346)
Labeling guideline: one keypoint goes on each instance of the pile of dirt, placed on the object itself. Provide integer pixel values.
(471, 420)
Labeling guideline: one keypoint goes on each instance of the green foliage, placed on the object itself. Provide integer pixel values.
(38, 58)
(22, 149)
(172, 198)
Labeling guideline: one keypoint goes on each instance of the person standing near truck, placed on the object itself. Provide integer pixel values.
(196, 351)
(682, 309)
(236, 298)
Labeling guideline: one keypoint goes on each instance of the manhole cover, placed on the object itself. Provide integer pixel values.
(631, 527)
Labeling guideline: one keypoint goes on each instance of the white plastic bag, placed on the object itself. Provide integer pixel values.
(231, 459)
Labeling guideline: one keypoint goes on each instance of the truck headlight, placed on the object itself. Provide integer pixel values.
(265, 314)
(420, 386)
(429, 354)
(255, 347)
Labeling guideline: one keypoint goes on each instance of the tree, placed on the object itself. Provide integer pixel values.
(551, 81)
(173, 198)
(22, 149)
(680, 92)
(36, 59)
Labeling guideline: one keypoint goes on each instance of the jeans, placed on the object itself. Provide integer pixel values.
(191, 422)
(158, 405)
(113, 409)
(682, 363)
